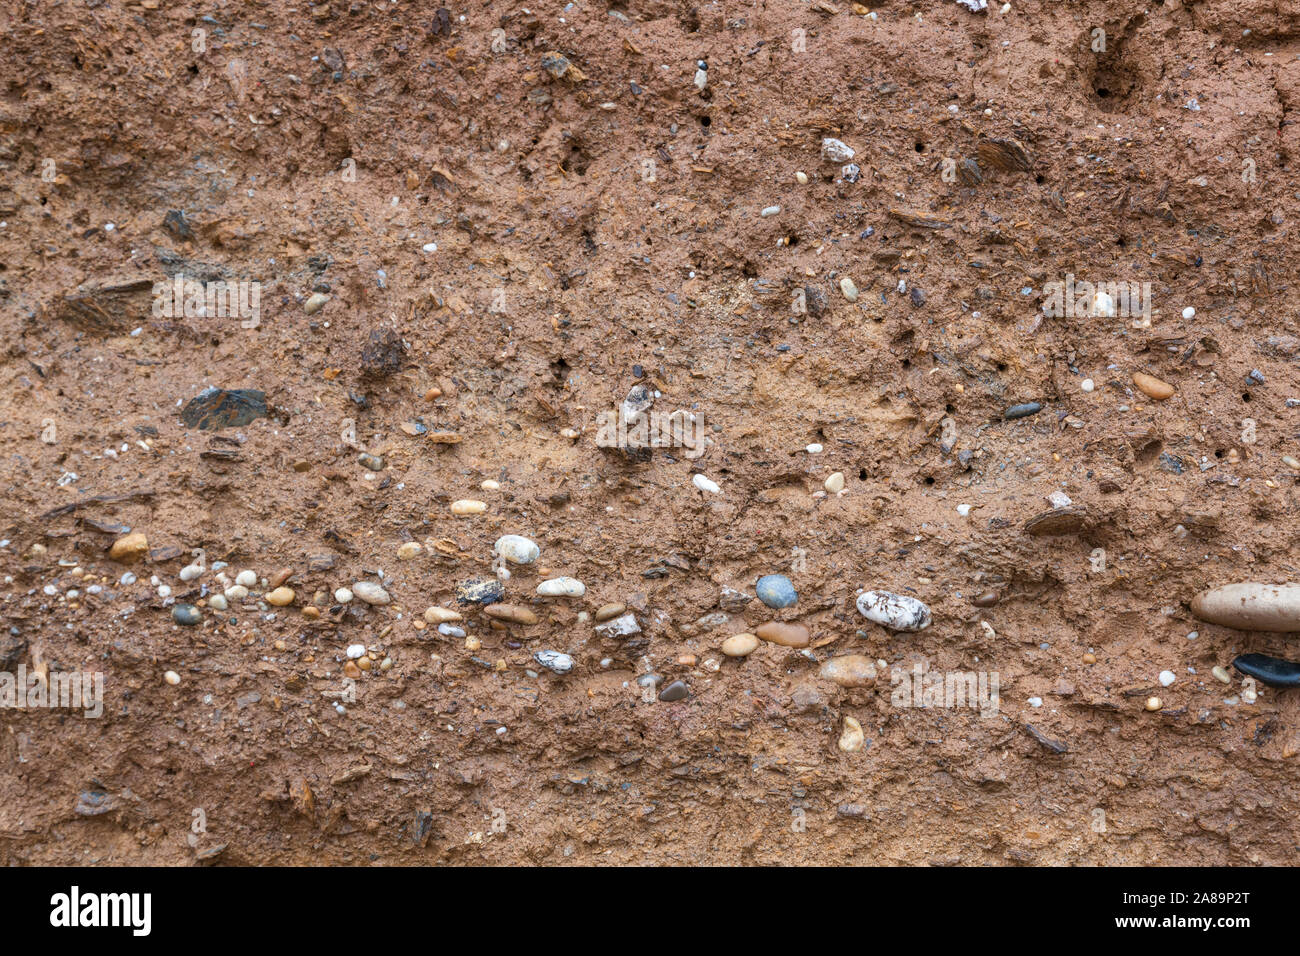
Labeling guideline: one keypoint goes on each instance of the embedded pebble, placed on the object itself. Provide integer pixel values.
(172, 678)
(451, 630)
(619, 627)
(836, 151)
(849, 288)
(468, 506)
(852, 739)
(343, 595)
(516, 549)
(236, 592)
(1273, 671)
(371, 593)
(776, 591)
(554, 661)
(440, 615)
(1167, 678)
(849, 670)
(355, 651)
(1154, 703)
(704, 484)
(514, 613)
(480, 591)
(835, 483)
(218, 602)
(190, 572)
(280, 597)
(1153, 387)
(607, 611)
(740, 645)
(129, 547)
(315, 303)
(408, 550)
(1251, 606)
(371, 462)
(562, 587)
(895, 611)
(787, 635)
(246, 579)
(1221, 674)
(1023, 410)
(674, 691)
(187, 615)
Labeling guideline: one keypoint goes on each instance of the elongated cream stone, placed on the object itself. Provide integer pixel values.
(440, 615)
(849, 670)
(562, 587)
(787, 635)
(852, 739)
(1153, 387)
(513, 613)
(468, 506)
(1251, 606)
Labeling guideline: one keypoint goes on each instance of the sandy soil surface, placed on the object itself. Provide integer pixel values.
(472, 232)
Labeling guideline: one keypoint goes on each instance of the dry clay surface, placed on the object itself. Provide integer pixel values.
(509, 217)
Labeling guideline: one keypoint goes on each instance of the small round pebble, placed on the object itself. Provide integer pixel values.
(1166, 678)
(343, 595)
(187, 615)
(280, 597)
(246, 578)
(172, 678)
(740, 645)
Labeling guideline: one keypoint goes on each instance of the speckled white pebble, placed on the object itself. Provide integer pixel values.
(704, 484)
(562, 587)
(1166, 678)
(516, 549)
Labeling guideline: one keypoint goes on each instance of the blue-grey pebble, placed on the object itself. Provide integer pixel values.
(775, 590)
(186, 614)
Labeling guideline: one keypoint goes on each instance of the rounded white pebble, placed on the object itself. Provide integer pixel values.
(371, 593)
(356, 651)
(236, 592)
(703, 483)
(218, 602)
(343, 595)
(814, 449)
(172, 678)
(190, 572)
(247, 578)
(1035, 702)
(1189, 313)
(801, 178)
(835, 483)
(517, 549)
(1166, 678)
(491, 485)
(1087, 385)
(963, 510)
(562, 587)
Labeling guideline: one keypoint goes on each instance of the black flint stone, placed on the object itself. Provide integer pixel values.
(216, 408)
(1273, 671)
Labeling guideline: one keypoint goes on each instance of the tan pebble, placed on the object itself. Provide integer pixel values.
(311, 613)
(472, 643)
(432, 393)
(801, 178)
(386, 664)
(835, 483)
(740, 645)
(849, 670)
(468, 506)
(686, 660)
(610, 611)
(280, 597)
(787, 635)
(491, 485)
(130, 547)
(419, 625)
(1291, 462)
(280, 646)
(444, 438)
(852, 739)
(172, 678)
(365, 664)
(1221, 674)
(514, 613)
(1153, 387)
(408, 550)
(1153, 703)
(1090, 658)
(440, 615)
(280, 577)
(350, 669)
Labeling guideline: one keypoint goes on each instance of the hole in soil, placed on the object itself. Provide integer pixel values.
(862, 474)
(706, 121)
